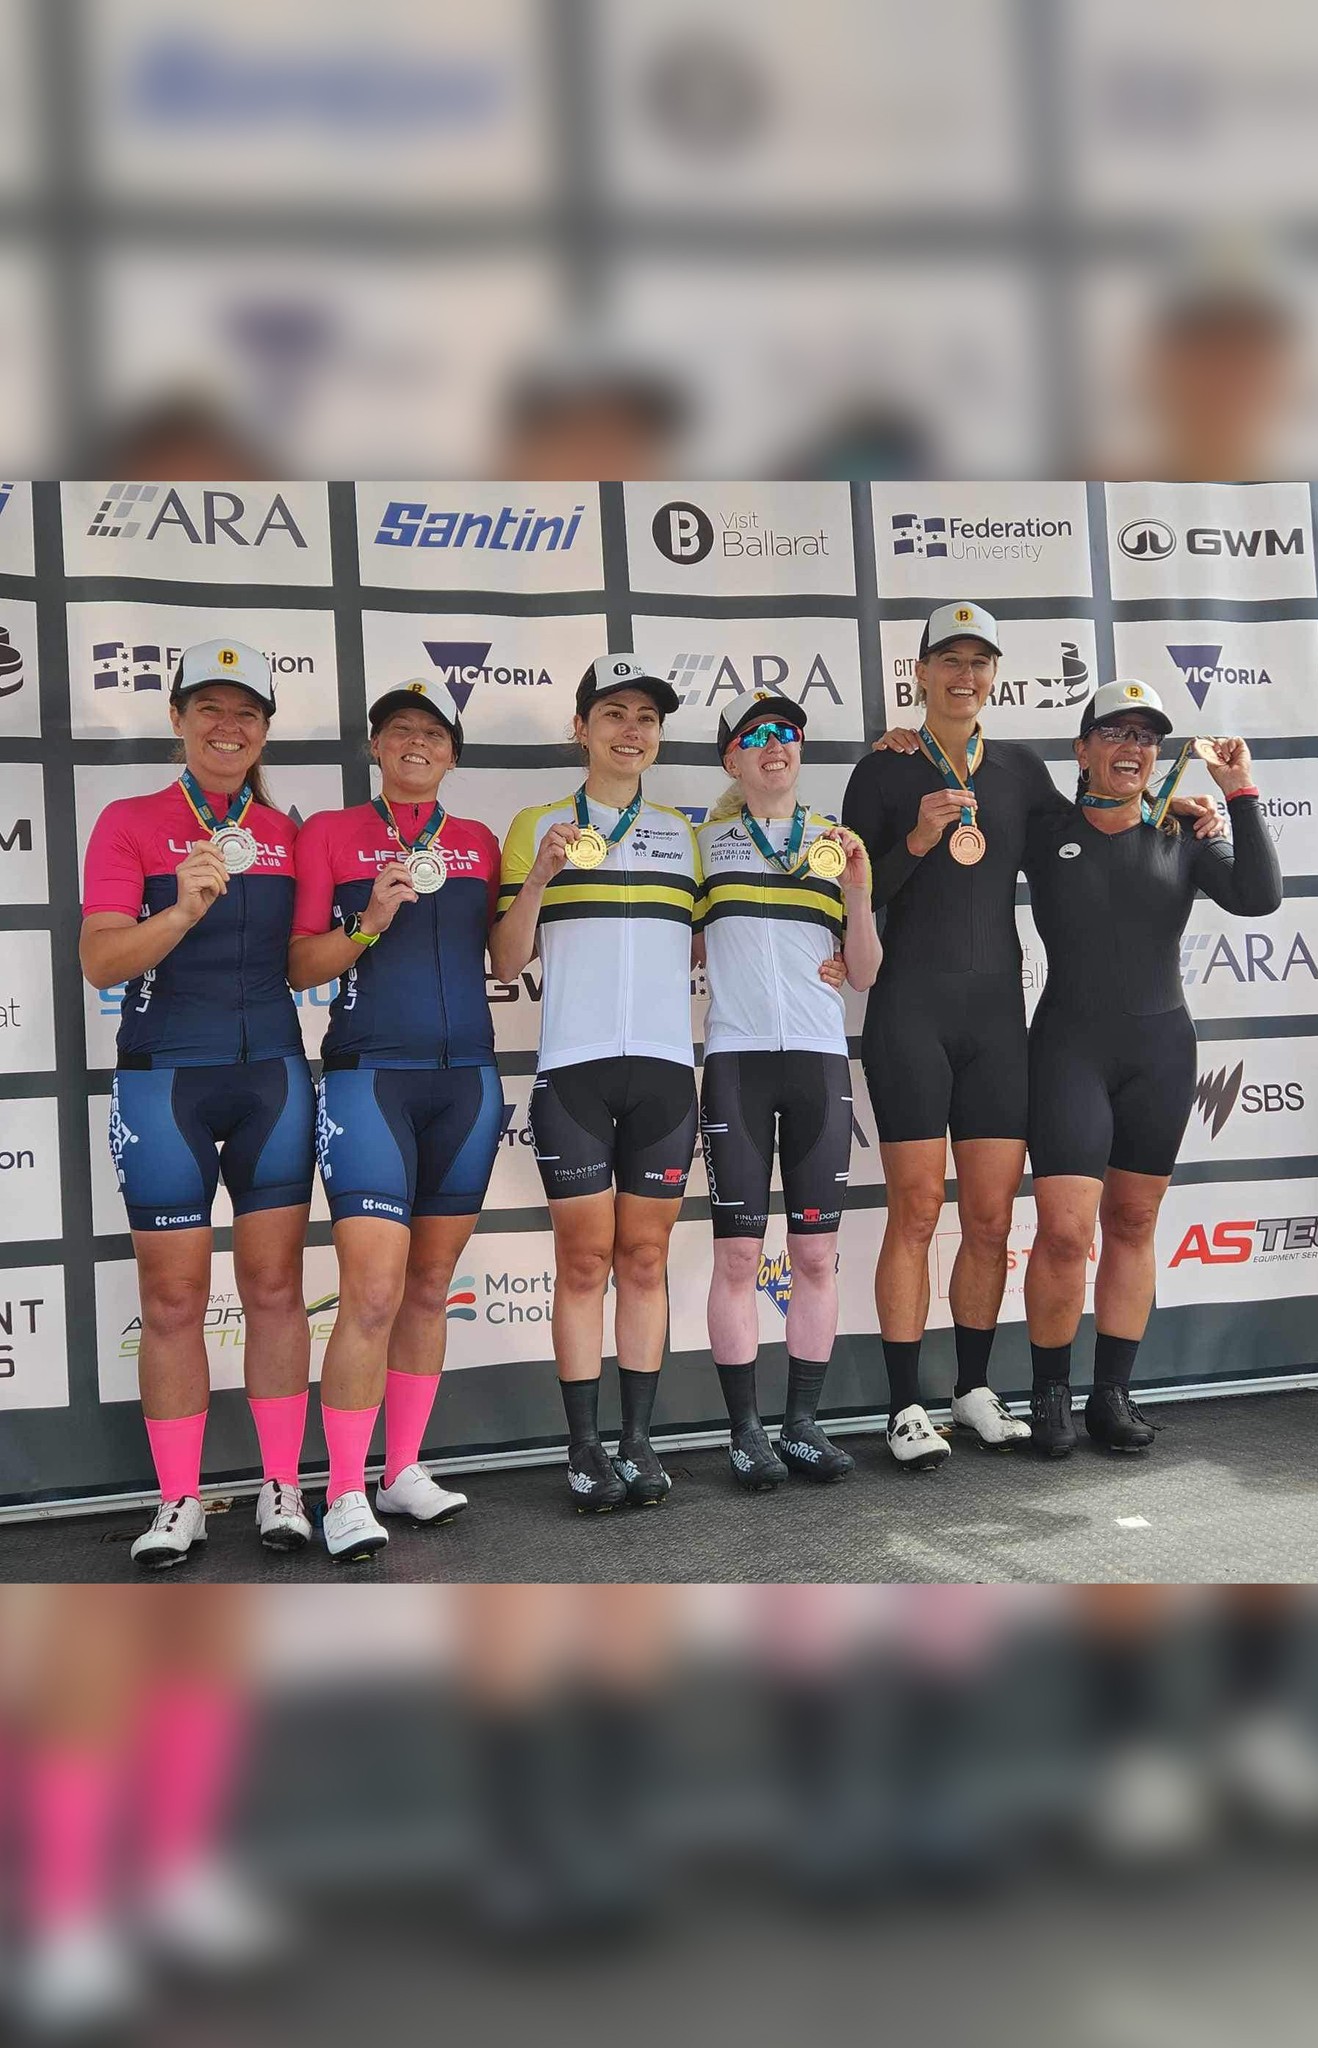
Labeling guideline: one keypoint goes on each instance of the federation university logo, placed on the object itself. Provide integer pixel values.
(912, 535)
(775, 1279)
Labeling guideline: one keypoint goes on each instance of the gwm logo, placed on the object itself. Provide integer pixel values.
(775, 1279)
(461, 1305)
(1146, 540)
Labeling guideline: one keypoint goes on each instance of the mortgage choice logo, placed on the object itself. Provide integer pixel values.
(501, 1308)
(1251, 1241)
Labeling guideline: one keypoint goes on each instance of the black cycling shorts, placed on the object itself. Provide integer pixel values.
(627, 1121)
(806, 1098)
(1109, 1091)
(946, 1052)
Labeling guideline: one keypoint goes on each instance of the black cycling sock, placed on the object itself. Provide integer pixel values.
(581, 1401)
(1051, 1362)
(805, 1383)
(637, 1391)
(738, 1384)
(972, 1357)
(903, 1362)
(1114, 1359)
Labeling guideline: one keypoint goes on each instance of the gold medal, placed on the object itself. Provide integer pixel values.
(967, 845)
(827, 858)
(589, 849)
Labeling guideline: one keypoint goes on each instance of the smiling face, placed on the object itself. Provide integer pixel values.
(957, 678)
(621, 733)
(223, 730)
(767, 774)
(415, 752)
(1119, 765)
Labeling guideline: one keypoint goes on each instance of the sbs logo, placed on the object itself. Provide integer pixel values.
(1146, 540)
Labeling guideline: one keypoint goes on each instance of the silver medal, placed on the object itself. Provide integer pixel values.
(428, 870)
(237, 848)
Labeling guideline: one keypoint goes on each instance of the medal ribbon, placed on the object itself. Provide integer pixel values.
(790, 859)
(974, 755)
(1152, 811)
(430, 830)
(196, 797)
(624, 824)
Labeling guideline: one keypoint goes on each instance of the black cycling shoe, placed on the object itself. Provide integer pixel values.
(804, 1448)
(1052, 1430)
(637, 1465)
(595, 1485)
(755, 1463)
(1112, 1418)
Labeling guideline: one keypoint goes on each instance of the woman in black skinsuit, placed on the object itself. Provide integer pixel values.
(1112, 1044)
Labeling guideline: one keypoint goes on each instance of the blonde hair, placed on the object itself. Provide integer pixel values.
(728, 805)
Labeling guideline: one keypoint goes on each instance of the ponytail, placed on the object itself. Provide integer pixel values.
(728, 805)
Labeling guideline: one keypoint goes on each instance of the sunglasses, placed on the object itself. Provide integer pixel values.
(760, 735)
(1134, 735)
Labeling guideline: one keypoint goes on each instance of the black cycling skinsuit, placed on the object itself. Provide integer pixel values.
(1112, 1044)
(944, 1043)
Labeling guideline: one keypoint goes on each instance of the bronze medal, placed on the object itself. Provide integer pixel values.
(967, 845)
(589, 850)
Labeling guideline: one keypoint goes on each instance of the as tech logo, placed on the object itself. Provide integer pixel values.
(464, 663)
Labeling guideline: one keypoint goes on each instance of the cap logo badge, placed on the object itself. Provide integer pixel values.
(1133, 690)
(418, 689)
(963, 615)
(227, 658)
(625, 668)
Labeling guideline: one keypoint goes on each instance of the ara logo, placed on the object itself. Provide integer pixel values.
(775, 1279)
(464, 663)
(701, 679)
(128, 511)
(461, 1304)
(1201, 667)
(1146, 540)
(1256, 957)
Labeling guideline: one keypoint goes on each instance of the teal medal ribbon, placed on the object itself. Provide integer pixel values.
(196, 796)
(433, 826)
(974, 755)
(790, 859)
(1152, 809)
(625, 822)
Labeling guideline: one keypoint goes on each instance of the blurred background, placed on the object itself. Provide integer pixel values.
(538, 238)
(1070, 1818)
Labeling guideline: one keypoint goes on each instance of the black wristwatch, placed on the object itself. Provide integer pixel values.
(352, 929)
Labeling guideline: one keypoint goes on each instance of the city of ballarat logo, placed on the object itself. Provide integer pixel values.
(775, 1279)
(130, 511)
(464, 663)
(1201, 667)
(11, 665)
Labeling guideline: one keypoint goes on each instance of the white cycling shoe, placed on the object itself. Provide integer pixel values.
(994, 1425)
(351, 1531)
(281, 1516)
(415, 1494)
(78, 1982)
(914, 1442)
(178, 1526)
(209, 1919)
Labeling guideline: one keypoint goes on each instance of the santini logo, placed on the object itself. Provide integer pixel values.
(528, 532)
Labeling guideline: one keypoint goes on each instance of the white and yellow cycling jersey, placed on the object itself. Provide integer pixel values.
(767, 933)
(614, 941)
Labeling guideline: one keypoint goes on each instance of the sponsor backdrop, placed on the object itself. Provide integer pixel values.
(507, 591)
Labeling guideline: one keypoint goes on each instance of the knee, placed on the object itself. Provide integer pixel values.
(583, 1269)
(268, 1291)
(813, 1258)
(914, 1215)
(736, 1261)
(1130, 1223)
(986, 1228)
(642, 1265)
(1064, 1240)
(174, 1306)
(426, 1293)
(371, 1302)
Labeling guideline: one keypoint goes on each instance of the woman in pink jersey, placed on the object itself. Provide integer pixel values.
(188, 900)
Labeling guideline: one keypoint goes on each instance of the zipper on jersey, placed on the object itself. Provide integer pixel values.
(242, 968)
(439, 982)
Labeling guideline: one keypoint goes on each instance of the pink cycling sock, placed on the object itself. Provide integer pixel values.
(280, 1425)
(176, 1449)
(191, 1742)
(347, 1438)
(408, 1400)
(70, 1809)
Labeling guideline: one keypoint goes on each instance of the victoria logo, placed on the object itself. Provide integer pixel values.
(1146, 540)
(1201, 667)
(464, 663)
